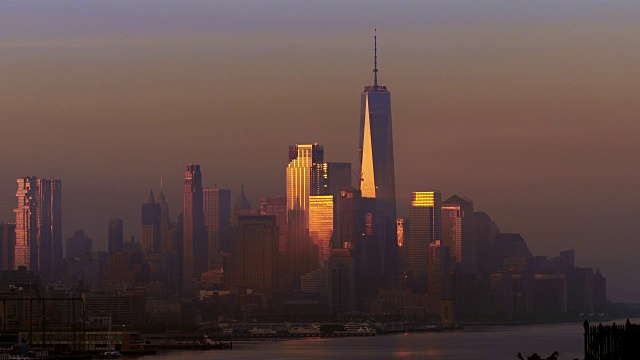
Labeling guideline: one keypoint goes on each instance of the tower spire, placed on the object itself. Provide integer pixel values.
(375, 57)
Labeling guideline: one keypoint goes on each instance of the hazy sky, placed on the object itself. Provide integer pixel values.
(530, 108)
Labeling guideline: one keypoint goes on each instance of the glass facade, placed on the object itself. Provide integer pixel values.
(26, 249)
(424, 217)
(195, 255)
(321, 225)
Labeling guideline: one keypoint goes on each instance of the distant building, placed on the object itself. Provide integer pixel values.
(195, 253)
(321, 227)
(338, 176)
(342, 282)
(439, 276)
(254, 253)
(599, 292)
(50, 227)
(424, 216)
(217, 220)
(26, 248)
(151, 217)
(7, 245)
(459, 232)
(304, 175)
(115, 236)
(79, 244)
(486, 230)
(276, 206)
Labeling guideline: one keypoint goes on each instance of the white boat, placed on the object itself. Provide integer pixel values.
(354, 328)
(110, 354)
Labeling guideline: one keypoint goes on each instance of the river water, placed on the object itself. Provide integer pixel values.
(474, 342)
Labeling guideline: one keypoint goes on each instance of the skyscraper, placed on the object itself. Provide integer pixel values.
(424, 217)
(254, 252)
(439, 275)
(377, 175)
(459, 232)
(337, 176)
(49, 226)
(195, 254)
(276, 206)
(151, 216)
(217, 220)
(115, 236)
(321, 227)
(304, 178)
(26, 248)
(7, 245)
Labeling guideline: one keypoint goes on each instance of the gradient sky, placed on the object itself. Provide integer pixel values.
(529, 108)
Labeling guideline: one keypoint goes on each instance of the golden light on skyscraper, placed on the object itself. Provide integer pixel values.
(321, 225)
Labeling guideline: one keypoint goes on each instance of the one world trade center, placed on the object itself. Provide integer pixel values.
(377, 180)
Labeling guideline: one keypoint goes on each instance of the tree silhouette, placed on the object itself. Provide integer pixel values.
(535, 356)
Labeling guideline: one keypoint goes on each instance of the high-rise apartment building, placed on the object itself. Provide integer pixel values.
(217, 220)
(38, 243)
(195, 253)
(377, 175)
(337, 176)
(26, 248)
(459, 232)
(115, 236)
(254, 252)
(151, 216)
(424, 216)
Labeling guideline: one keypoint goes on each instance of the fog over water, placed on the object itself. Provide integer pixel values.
(528, 108)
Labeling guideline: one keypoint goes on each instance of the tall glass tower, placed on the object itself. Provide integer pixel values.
(377, 175)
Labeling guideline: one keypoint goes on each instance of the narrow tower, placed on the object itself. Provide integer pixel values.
(377, 180)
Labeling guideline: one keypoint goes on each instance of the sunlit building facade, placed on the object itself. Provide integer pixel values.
(26, 246)
(304, 175)
(321, 226)
(424, 216)
(377, 174)
(459, 232)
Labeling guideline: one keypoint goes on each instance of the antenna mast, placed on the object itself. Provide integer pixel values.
(375, 57)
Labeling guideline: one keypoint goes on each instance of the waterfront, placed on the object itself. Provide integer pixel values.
(474, 342)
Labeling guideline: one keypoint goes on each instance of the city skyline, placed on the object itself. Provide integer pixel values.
(529, 168)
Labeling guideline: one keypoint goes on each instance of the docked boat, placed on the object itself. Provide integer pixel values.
(359, 329)
(111, 354)
(311, 329)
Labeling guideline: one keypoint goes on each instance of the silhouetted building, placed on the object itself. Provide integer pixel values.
(459, 232)
(424, 216)
(486, 230)
(439, 275)
(79, 244)
(195, 254)
(509, 253)
(217, 220)
(254, 252)
(115, 236)
(276, 206)
(338, 176)
(151, 216)
(549, 295)
(49, 227)
(377, 175)
(342, 282)
(7, 245)
(580, 290)
(599, 292)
